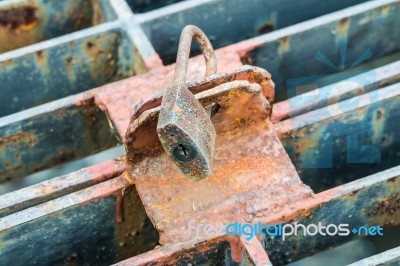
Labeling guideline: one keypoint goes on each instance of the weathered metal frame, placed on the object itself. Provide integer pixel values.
(56, 205)
(145, 58)
(385, 182)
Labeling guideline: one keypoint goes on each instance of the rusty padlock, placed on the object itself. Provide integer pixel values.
(184, 127)
(178, 123)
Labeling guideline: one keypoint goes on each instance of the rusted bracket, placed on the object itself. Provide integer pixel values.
(249, 160)
(184, 127)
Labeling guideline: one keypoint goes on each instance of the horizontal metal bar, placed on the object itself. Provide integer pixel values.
(346, 140)
(84, 117)
(357, 85)
(366, 194)
(25, 22)
(63, 130)
(345, 38)
(59, 186)
(98, 225)
(249, 18)
(390, 257)
(74, 66)
(358, 204)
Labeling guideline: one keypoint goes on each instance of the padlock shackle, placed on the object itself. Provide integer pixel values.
(189, 33)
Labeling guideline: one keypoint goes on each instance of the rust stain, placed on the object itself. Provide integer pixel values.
(266, 27)
(343, 28)
(119, 211)
(389, 206)
(41, 61)
(117, 99)
(385, 10)
(39, 55)
(21, 137)
(68, 60)
(24, 18)
(284, 45)
(241, 121)
(236, 248)
(97, 16)
(90, 45)
(19, 24)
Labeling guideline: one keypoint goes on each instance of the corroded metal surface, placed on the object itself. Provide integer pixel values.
(102, 224)
(255, 252)
(59, 186)
(332, 206)
(52, 215)
(184, 127)
(245, 18)
(360, 84)
(242, 120)
(60, 131)
(291, 53)
(26, 22)
(345, 141)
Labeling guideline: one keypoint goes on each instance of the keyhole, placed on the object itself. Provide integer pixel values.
(184, 152)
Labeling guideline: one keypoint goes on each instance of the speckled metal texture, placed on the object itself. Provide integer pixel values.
(71, 73)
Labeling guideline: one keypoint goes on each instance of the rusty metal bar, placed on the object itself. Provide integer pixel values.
(255, 252)
(333, 145)
(360, 84)
(107, 213)
(249, 18)
(327, 207)
(37, 20)
(390, 257)
(84, 60)
(94, 225)
(62, 201)
(59, 186)
(36, 139)
(290, 54)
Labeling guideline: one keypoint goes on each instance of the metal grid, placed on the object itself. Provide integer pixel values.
(52, 114)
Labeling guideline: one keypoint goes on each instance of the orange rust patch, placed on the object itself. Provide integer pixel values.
(343, 27)
(23, 17)
(118, 98)
(236, 248)
(284, 45)
(389, 206)
(25, 137)
(248, 160)
(385, 10)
